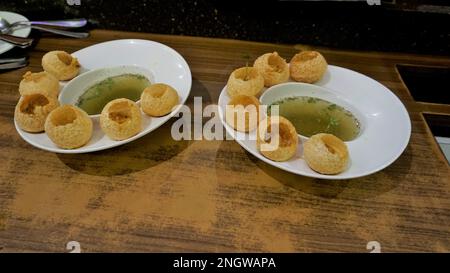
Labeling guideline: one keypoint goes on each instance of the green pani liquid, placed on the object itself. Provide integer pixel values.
(312, 116)
(129, 86)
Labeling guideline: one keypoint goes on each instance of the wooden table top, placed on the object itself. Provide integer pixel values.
(160, 195)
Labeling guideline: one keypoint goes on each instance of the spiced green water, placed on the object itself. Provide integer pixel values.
(311, 116)
(128, 86)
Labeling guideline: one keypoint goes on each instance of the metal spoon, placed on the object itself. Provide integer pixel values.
(63, 32)
(69, 23)
(6, 27)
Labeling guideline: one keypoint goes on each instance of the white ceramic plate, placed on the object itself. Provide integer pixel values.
(384, 135)
(166, 65)
(12, 17)
(74, 89)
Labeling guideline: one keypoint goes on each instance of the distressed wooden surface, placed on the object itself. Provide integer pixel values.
(157, 194)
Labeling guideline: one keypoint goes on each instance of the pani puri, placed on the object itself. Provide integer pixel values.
(245, 81)
(121, 119)
(326, 154)
(61, 65)
(40, 82)
(68, 127)
(242, 113)
(273, 68)
(279, 138)
(159, 99)
(32, 110)
(308, 66)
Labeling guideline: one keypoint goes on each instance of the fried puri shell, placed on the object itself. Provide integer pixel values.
(69, 127)
(277, 146)
(61, 65)
(307, 66)
(273, 68)
(159, 99)
(40, 82)
(242, 113)
(326, 154)
(245, 81)
(32, 110)
(121, 119)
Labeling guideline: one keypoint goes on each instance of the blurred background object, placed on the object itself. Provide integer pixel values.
(417, 26)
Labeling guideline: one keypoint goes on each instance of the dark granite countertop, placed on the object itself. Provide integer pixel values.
(349, 25)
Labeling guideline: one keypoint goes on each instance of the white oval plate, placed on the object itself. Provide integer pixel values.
(12, 17)
(386, 127)
(166, 65)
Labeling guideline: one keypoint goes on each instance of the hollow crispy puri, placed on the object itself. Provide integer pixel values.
(40, 82)
(61, 65)
(242, 107)
(121, 119)
(32, 110)
(273, 68)
(326, 154)
(280, 146)
(245, 81)
(308, 66)
(159, 99)
(69, 127)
